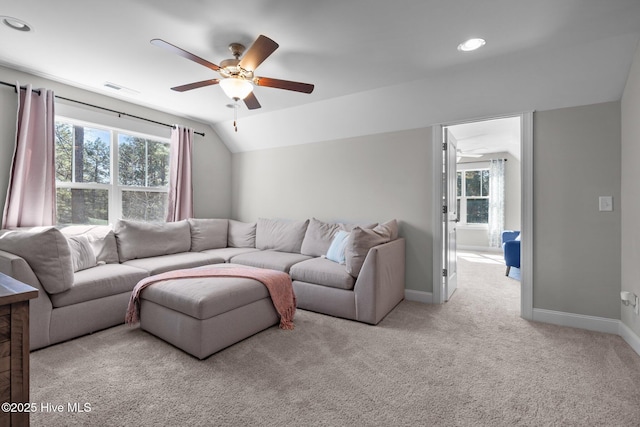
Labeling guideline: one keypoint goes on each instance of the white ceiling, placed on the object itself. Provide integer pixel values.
(489, 136)
(378, 65)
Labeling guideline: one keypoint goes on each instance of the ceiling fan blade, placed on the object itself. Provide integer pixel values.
(175, 49)
(284, 84)
(195, 85)
(257, 53)
(251, 101)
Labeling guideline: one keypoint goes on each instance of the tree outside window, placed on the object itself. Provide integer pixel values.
(87, 160)
(473, 196)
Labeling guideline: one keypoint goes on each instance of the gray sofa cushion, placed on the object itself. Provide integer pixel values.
(281, 261)
(361, 240)
(280, 235)
(99, 282)
(138, 239)
(228, 253)
(319, 235)
(46, 251)
(323, 272)
(241, 234)
(203, 298)
(101, 237)
(162, 263)
(208, 233)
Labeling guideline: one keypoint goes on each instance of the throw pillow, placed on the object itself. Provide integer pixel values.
(361, 240)
(82, 256)
(46, 251)
(280, 235)
(319, 236)
(241, 234)
(208, 234)
(336, 252)
(102, 240)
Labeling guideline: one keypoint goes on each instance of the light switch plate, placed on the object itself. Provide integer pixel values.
(606, 203)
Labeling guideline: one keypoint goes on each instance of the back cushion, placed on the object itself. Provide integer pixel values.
(241, 234)
(137, 239)
(280, 235)
(361, 240)
(319, 236)
(101, 238)
(47, 252)
(208, 234)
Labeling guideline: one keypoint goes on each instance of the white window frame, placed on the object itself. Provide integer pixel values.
(114, 189)
(462, 211)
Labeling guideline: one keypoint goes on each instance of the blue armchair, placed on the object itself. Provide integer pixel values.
(511, 248)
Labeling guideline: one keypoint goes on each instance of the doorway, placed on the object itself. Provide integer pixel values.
(479, 144)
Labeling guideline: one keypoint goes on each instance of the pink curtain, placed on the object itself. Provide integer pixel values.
(31, 196)
(180, 190)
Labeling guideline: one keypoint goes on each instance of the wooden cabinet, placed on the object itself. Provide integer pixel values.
(14, 348)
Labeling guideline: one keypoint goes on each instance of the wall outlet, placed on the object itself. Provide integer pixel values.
(606, 203)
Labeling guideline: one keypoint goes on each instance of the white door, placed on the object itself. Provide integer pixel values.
(449, 216)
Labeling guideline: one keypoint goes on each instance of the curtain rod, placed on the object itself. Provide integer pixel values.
(119, 113)
(480, 161)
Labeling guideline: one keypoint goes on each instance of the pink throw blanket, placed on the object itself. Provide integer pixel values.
(278, 284)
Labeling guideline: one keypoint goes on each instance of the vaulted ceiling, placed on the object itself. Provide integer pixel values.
(377, 65)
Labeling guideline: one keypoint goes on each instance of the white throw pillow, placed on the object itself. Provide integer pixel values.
(336, 252)
(82, 255)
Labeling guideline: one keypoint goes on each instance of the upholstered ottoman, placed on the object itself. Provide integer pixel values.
(204, 315)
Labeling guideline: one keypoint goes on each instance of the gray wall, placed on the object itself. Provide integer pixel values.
(373, 178)
(631, 191)
(211, 158)
(576, 247)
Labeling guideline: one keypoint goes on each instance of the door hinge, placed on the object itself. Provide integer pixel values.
(444, 209)
(445, 273)
(444, 146)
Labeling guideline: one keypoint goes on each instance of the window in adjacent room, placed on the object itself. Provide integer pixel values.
(103, 174)
(473, 197)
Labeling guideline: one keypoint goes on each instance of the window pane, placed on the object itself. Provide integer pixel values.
(477, 211)
(64, 151)
(485, 183)
(144, 205)
(93, 153)
(459, 185)
(143, 162)
(77, 206)
(472, 183)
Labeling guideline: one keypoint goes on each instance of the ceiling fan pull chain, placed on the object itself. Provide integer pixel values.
(235, 117)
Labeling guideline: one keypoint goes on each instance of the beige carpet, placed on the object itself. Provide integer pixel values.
(472, 361)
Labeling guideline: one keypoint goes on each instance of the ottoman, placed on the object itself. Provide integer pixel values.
(204, 315)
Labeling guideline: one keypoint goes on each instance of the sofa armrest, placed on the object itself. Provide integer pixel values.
(39, 308)
(380, 284)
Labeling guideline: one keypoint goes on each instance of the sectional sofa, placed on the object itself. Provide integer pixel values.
(85, 274)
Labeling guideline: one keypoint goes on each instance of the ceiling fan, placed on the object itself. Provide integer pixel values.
(460, 153)
(237, 77)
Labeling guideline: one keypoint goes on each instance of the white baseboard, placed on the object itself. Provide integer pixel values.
(630, 337)
(419, 296)
(592, 323)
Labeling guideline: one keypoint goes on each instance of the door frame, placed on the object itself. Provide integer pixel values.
(526, 189)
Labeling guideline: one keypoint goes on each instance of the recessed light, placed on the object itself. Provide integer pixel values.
(16, 24)
(471, 44)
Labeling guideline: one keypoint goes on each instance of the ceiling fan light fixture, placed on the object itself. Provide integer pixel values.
(471, 44)
(236, 88)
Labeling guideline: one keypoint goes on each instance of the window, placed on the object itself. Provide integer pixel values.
(473, 197)
(104, 174)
